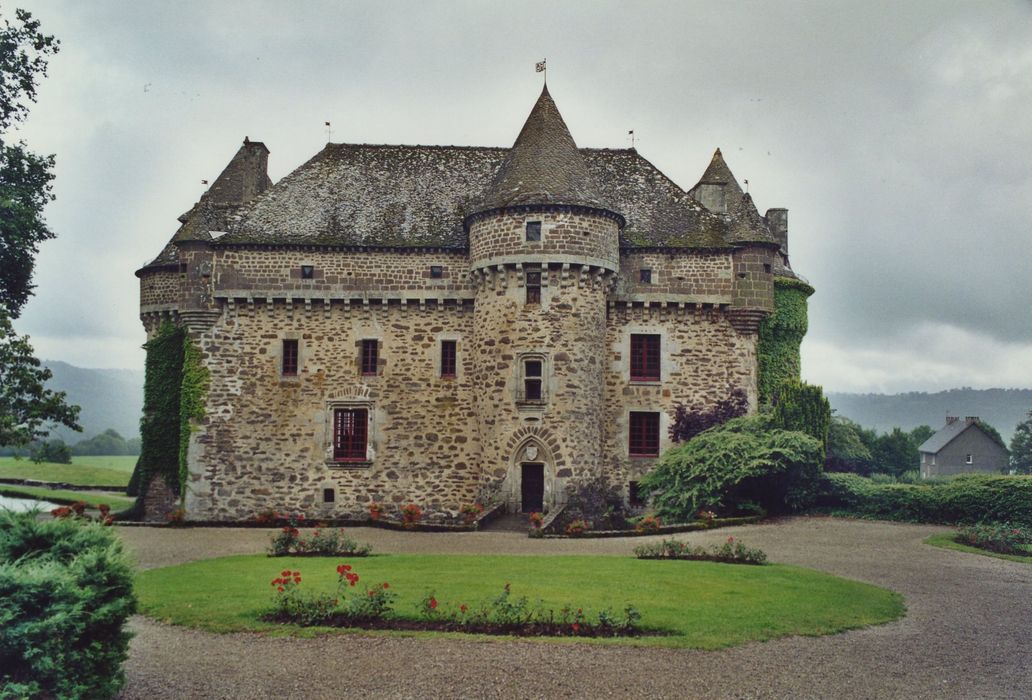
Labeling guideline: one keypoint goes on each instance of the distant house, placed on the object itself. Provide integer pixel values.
(962, 446)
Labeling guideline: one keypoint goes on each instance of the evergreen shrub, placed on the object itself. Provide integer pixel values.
(969, 498)
(65, 595)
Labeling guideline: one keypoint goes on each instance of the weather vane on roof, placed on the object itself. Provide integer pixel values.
(329, 132)
(631, 134)
(540, 67)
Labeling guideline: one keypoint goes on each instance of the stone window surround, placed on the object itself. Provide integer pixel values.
(520, 366)
(665, 353)
(276, 351)
(332, 406)
(623, 432)
(439, 339)
(526, 230)
(659, 433)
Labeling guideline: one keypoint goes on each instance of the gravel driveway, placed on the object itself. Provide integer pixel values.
(967, 632)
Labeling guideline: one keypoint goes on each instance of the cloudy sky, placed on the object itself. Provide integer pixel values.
(898, 134)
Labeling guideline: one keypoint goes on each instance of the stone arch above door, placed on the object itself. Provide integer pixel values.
(534, 445)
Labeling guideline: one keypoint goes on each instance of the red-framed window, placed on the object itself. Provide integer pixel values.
(644, 434)
(369, 357)
(448, 357)
(644, 357)
(289, 358)
(534, 287)
(350, 429)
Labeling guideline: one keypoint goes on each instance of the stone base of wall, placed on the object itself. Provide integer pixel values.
(158, 501)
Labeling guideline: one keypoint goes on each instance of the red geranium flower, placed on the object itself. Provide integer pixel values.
(297, 579)
(386, 585)
(280, 589)
(433, 603)
(576, 627)
(284, 573)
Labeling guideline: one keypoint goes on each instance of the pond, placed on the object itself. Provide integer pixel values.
(23, 504)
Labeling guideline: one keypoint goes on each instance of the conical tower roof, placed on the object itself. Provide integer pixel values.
(745, 224)
(543, 166)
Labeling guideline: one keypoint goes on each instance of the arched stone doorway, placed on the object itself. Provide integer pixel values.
(530, 484)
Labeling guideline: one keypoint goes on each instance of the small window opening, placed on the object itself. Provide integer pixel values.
(533, 283)
(634, 498)
(307, 272)
(970, 459)
(448, 356)
(645, 275)
(289, 358)
(436, 272)
(182, 268)
(533, 231)
(329, 495)
(532, 375)
(369, 357)
(766, 268)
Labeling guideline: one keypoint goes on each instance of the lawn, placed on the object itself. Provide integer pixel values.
(91, 498)
(83, 471)
(696, 604)
(946, 541)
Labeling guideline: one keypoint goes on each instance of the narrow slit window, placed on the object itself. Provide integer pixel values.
(370, 356)
(349, 434)
(533, 283)
(533, 232)
(448, 357)
(289, 358)
(645, 362)
(644, 434)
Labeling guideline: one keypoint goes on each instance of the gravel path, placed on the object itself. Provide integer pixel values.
(967, 633)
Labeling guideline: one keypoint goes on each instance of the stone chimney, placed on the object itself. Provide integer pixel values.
(970, 419)
(712, 196)
(244, 178)
(778, 220)
(950, 420)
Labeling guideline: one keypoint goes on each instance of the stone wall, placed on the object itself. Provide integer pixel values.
(566, 236)
(754, 278)
(707, 277)
(266, 439)
(159, 290)
(703, 359)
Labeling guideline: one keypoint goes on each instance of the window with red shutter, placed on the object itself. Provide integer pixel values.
(645, 357)
(289, 358)
(349, 434)
(534, 287)
(644, 434)
(448, 357)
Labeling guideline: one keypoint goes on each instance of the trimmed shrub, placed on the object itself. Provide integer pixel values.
(969, 498)
(732, 551)
(743, 461)
(65, 594)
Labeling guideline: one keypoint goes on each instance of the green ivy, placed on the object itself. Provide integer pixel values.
(781, 334)
(192, 395)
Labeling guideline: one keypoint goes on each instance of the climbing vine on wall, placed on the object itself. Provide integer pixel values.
(191, 402)
(160, 425)
(781, 333)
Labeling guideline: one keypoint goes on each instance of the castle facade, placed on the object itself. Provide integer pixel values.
(429, 325)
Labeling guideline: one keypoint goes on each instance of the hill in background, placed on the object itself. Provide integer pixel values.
(1001, 408)
(110, 398)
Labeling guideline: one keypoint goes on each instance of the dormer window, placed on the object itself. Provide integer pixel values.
(307, 272)
(533, 232)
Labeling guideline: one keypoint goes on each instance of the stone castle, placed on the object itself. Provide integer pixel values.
(431, 325)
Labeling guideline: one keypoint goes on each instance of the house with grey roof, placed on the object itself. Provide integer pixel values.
(443, 325)
(961, 447)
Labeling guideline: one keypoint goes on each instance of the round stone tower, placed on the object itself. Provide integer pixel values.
(544, 249)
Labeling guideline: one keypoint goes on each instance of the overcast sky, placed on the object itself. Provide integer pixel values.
(898, 135)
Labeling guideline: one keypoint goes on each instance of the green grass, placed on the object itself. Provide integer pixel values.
(83, 471)
(91, 498)
(698, 604)
(946, 541)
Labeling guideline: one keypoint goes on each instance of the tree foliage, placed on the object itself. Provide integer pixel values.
(1021, 447)
(54, 451)
(846, 449)
(689, 423)
(745, 460)
(26, 406)
(803, 407)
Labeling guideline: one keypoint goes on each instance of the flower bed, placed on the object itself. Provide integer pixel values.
(1002, 538)
(653, 528)
(732, 551)
(321, 542)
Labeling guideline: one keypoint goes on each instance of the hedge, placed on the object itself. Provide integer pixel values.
(65, 595)
(970, 498)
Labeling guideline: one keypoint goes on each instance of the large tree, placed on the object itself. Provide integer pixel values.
(1021, 447)
(27, 407)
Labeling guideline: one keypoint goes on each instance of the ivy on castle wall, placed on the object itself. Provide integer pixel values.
(193, 391)
(781, 334)
(174, 391)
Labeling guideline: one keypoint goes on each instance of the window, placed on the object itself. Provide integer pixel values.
(645, 275)
(533, 371)
(328, 496)
(289, 358)
(970, 459)
(369, 358)
(448, 358)
(766, 268)
(534, 287)
(533, 232)
(349, 434)
(644, 357)
(634, 498)
(644, 434)
(307, 272)
(436, 272)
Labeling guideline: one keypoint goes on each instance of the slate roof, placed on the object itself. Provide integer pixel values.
(948, 433)
(359, 195)
(543, 166)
